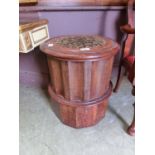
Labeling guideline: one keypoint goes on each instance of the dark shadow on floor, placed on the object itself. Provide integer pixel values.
(40, 60)
(53, 105)
(124, 123)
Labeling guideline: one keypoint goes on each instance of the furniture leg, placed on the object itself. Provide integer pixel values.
(119, 79)
(131, 128)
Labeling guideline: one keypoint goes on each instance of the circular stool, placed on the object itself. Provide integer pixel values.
(80, 69)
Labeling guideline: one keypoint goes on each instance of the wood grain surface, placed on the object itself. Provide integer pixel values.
(80, 80)
(27, 1)
(26, 26)
(45, 5)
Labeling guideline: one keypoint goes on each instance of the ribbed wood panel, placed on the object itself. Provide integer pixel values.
(56, 76)
(65, 79)
(76, 80)
(50, 70)
(108, 72)
(96, 80)
(80, 81)
(87, 80)
(83, 116)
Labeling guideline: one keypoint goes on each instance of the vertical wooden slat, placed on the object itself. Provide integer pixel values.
(109, 65)
(65, 79)
(104, 77)
(87, 79)
(97, 82)
(56, 76)
(76, 75)
(93, 79)
(50, 71)
(69, 113)
(100, 83)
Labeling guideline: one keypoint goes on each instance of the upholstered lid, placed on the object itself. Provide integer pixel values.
(80, 47)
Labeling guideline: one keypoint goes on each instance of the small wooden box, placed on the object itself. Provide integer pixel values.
(32, 34)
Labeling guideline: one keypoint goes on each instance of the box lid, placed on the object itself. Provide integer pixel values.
(29, 25)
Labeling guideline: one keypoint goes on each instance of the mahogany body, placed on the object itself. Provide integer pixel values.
(81, 86)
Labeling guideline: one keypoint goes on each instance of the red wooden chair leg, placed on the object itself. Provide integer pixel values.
(119, 79)
(131, 129)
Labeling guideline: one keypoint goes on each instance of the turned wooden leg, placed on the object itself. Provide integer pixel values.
(119, 79)
(131, 128)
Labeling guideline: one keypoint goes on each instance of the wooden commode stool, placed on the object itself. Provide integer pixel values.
(80, 69)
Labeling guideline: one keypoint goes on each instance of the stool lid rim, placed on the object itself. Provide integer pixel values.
(80, 47)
